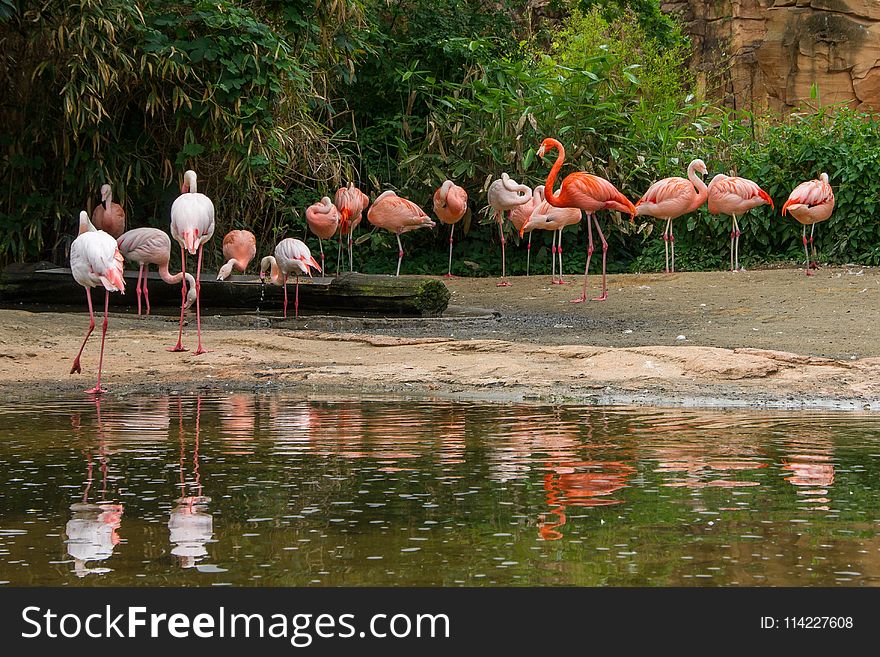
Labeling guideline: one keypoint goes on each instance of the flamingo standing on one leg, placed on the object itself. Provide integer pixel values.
(398, 215)
(239, 248)
(95, 260)
(109, 216)
(671, 198)
(547, 217)
(505, 194)
(450, 205)
(192, 224)
(291, 257)
(810, 203)
(519, 216)
(735, 196)
(589, 193)
(351, 203)
(151, 246)
(323, 221)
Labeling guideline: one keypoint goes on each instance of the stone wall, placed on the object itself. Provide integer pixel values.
(766, 54)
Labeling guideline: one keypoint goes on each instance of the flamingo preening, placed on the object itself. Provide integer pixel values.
(323, 221)
(151, 246)
(95, 260)
(351, 203)
(109, 216)
(547, 217)
(450, 205)
(192, 224)
(519, 217)
(239, 248)
(810, 203)
(589, 193)
(505, 194)
(671, 198)
(399, 216)
(291, 257)
(735, 196)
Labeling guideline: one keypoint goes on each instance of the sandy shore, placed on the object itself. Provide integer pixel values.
(535, 346)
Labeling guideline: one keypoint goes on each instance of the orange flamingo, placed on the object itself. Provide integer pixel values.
(239, 248)
(546, 217)
(810, 203)
(151, 246)
(504, 195)
(109, 216)
(450, 205)
(291, 257)
(95, 260)
(671, 198)
(323, 221)
(589, 193)
(351, 203)
(399, 216)
(735, 196)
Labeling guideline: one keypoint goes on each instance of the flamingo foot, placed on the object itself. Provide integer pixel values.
(178, 347)
(561, 282)
(198, 352)
(503, 284)
(580, 299)
(97, 390)
(814, 264)
(76, 369)
(601, 297)
(449, 276)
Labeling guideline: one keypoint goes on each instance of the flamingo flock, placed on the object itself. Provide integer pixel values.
(102, 245)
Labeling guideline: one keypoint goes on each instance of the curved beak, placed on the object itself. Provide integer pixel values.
(541, 151)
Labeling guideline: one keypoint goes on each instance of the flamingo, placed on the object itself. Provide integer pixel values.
(810, 203)
(398, 215)
(671, 198)
(323, 221)
(192, 224)
(151, 246)
(239, 248)
(589, 193)
(351, 203)
(291, 257)
(505, 194)
(735, 196)
(519, 216)
(548, 217)
(450, 205)
(95, 260)
(109, 216)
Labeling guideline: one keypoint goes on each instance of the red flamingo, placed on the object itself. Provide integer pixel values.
(239, 248)
(735, 196)
(589, 193)
(399, 216)
(810, 203)
(151, 246)
(450, 205)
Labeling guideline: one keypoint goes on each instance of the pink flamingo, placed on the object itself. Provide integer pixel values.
(735, 196)
(109, 216)
(323, 221)
(151, 246)
(398, 215)
(351, 203)
(239, 248)
(450, 205)
(95, 260)
(589, 193)
(291, 257)
(547, 217)
(810, 203)
(505, 194)
(671, 198)
(192, 224)
(519, 217)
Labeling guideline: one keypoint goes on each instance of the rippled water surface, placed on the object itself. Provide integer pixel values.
(245, 489)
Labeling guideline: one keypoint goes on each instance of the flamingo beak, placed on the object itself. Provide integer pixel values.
(541, 151)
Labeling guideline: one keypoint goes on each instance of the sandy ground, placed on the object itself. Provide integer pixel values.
(765, 338)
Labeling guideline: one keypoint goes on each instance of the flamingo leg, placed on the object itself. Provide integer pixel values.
(451, 232)
(583, 296)
(285, 296)
(296, 299)
(732, 238)
(604, 294)
(666, 244)
(553, 260)
(200, 349)
(399, 254)
(738, 233)
(806, 253)
(137, 287)
(97, 390)
(528, 254)
(813, 264)
(502, 283)
(76, 369)
(351, 248)
(559, 251)
(179, 346)
(672, 245)
(321, 246)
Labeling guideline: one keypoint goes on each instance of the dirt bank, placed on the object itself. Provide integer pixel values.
(756, 338)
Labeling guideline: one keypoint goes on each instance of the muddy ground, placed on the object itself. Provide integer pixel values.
(763, 338)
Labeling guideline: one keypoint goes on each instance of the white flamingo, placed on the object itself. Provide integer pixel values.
(192, 224)
(151, 246)
(291, 257)
(95, 260)
(504, 195)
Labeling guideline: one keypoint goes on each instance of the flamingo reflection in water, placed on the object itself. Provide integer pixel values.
(238, 424)
(191, 525)
(811, 463)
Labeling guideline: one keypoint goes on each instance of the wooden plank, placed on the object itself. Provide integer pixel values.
(45, 283)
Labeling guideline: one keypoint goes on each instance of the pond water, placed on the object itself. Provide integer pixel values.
(244, 489)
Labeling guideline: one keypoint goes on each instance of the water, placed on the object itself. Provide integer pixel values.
(245, 489)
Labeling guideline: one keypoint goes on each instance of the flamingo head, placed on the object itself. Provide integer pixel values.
(105, 194)
(189, 182)
(700, 166)
(547, 145)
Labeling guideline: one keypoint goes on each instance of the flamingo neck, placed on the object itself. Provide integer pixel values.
(702, 189)
(549, 195)
(167, 276)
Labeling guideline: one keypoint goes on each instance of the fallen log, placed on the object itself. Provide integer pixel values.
(45, 283)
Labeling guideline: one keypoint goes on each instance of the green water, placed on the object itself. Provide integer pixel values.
(245, 489)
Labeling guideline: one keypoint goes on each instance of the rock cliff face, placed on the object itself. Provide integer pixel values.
(766, 54)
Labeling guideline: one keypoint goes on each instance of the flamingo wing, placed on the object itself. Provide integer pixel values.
(145, 245)
(810, 193)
